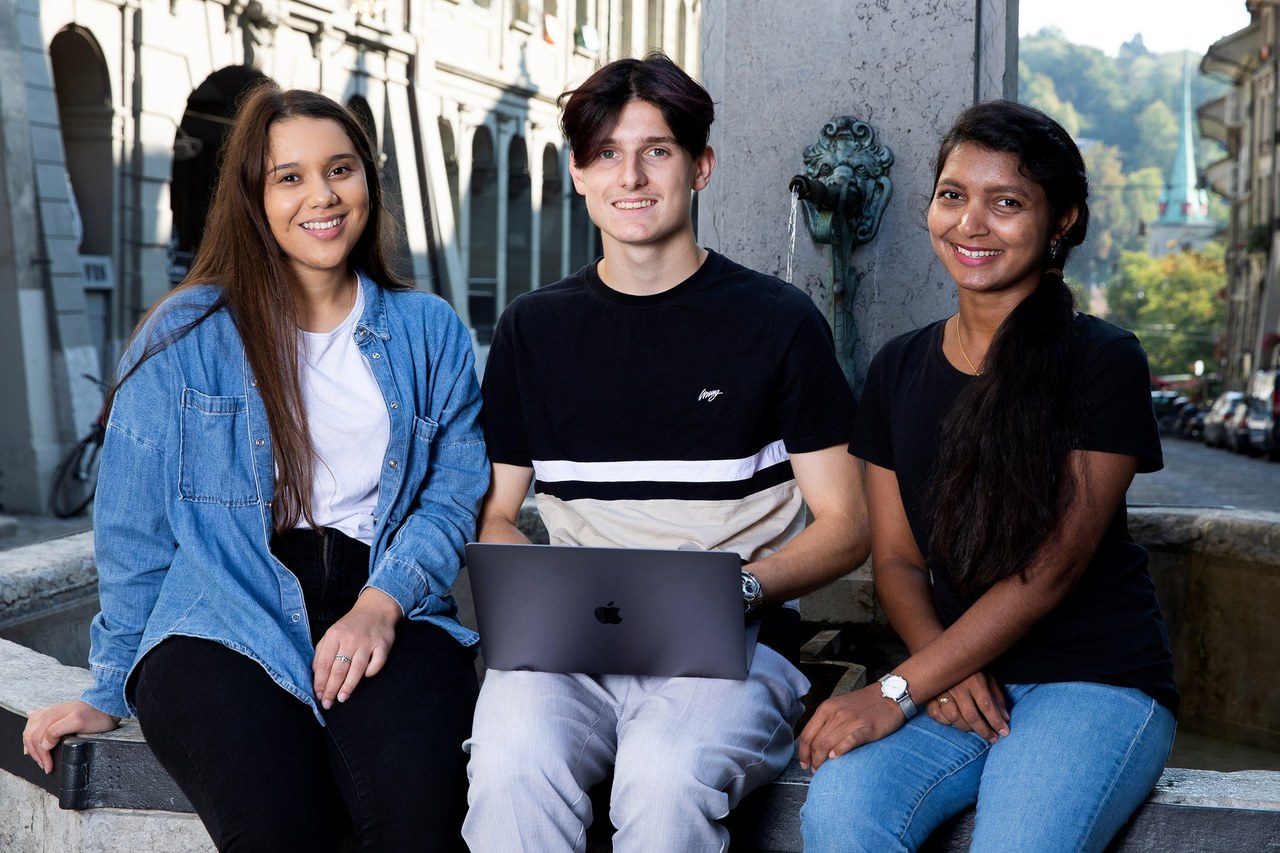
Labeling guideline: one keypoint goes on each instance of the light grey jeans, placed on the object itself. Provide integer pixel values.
(684, 752)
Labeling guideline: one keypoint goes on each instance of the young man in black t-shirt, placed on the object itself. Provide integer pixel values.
(662, 397)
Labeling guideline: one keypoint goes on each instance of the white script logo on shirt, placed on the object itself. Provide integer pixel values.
(709, 395)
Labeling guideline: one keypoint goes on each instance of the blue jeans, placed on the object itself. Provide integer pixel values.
(1079, 759)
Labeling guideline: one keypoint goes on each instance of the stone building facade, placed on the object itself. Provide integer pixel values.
(112, 114)
(1244, 119)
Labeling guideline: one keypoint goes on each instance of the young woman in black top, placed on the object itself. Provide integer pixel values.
(999, 444)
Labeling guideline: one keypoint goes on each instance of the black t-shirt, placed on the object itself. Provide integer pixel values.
(667, 421)
(718, 367)
(1108, 629)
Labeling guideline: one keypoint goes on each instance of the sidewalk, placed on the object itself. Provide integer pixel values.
(18, 530)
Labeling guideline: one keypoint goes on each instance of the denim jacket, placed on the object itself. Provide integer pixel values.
(182, 519)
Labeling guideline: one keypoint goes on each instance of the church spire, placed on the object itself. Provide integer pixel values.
(1183, 201)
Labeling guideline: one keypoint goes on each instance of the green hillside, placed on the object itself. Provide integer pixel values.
(1125, 111)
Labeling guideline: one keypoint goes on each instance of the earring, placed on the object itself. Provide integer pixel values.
(1055, 250)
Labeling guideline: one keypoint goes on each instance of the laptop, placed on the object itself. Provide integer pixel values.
(622, 611)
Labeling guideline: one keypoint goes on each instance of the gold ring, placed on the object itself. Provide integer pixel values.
(341, 659)
(942, 700)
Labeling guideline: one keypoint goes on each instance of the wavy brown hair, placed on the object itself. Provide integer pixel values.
(239, 256)
(1001, 480)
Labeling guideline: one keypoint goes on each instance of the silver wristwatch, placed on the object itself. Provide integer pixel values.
(752, 592)
(894, 687)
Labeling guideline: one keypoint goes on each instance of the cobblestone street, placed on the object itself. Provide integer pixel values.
(1196, 475)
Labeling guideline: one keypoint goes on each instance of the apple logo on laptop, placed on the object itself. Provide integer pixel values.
(609, 614)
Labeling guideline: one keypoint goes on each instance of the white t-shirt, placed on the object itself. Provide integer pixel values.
(349, 426)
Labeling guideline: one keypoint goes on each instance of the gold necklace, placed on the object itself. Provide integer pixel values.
(960, 341)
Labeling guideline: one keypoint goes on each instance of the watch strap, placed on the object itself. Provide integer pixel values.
(902, 697)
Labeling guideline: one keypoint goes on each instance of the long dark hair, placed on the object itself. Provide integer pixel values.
(239, 255)
(1002, 482)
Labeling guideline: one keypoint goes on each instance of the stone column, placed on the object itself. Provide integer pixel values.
(779, 71)
(44, 333)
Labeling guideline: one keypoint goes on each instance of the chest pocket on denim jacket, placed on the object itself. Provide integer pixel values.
(216, 464)
(421, 450)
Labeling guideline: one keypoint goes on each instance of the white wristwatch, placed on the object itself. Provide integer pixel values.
(894, 687)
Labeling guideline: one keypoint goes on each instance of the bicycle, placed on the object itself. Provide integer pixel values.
(75, 480)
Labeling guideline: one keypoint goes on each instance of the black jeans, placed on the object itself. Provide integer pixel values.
(261, 771)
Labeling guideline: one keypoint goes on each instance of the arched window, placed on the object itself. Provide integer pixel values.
(519, 220)
(82, 86)
(482, 254)
(205, 123)
(401, 257)
(551, 264)
(451, 168)
(584, 240)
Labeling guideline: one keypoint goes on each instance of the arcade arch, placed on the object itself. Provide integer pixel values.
(519, 276)
(82, 87)
(551, 261)
(197, 143)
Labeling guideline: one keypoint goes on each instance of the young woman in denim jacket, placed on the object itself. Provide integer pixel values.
(999, 444)
(292, 466)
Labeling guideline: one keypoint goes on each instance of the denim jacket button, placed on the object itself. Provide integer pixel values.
(376, 355)
(297, 617)
(260, 442)
(394, 404)
(394, 463)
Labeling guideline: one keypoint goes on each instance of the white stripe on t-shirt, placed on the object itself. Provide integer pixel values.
(661, 470)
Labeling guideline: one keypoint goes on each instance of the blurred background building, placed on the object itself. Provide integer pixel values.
(112, 113)
(1244, 119)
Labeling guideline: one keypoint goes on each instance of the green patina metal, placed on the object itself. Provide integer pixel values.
(845, 189)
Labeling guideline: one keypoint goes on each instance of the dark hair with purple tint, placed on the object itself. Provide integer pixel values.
(591, 111)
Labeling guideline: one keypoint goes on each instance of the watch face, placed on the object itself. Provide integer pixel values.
(893, 686)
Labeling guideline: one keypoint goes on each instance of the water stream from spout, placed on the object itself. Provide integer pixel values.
(791, 234)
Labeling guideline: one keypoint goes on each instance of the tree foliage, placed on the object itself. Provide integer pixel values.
(1126, 113)
(1171, 303)
(1125, 110)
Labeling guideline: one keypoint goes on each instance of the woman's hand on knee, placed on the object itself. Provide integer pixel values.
(845, 722)
(47, 726)
(355, 647)
(974, 705)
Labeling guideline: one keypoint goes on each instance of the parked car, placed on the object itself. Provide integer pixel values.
(1237, 427)
(1168, 420)
(1163, 402)
(1215, 432)
(1189, 422)
(1263, 418)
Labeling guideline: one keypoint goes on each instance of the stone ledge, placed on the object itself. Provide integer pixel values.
(42, 574)
(8, 526)
(32, 680)
(1252, 535)
(32, 822)
(1190, 811)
